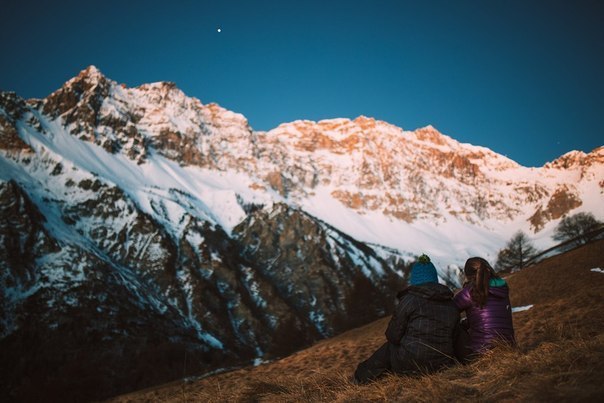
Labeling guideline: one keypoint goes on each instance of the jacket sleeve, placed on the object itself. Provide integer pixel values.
(463, 299)
(398, 324)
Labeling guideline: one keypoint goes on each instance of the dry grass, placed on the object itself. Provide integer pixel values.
(560, 355)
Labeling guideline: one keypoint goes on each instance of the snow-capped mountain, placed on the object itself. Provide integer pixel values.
(139, 222)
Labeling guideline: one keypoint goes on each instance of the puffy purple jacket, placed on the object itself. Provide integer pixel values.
(493, 321)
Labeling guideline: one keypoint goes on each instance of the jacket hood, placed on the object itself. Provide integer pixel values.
(433, 291)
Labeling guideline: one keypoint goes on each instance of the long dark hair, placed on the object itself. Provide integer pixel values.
(478, 273)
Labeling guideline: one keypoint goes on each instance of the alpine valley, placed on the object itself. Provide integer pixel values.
(147, 237)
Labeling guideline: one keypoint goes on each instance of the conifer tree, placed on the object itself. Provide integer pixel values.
(517, 252)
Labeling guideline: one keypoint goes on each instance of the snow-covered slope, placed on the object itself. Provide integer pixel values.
(231, 240)
(411, 190)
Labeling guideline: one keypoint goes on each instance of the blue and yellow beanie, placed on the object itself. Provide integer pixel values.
(423, 271)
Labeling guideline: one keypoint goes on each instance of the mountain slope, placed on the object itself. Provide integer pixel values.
(102, 281)
(560, 353)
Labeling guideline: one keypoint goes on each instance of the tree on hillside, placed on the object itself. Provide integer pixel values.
(518, 251)
(579, 227)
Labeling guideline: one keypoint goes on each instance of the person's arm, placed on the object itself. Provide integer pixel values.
(398, 324)
(463, 299)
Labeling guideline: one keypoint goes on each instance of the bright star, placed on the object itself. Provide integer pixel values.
(219, 30)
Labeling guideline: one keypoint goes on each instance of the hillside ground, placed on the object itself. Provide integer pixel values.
(560, 353)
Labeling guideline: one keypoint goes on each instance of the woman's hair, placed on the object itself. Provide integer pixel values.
(478, 273)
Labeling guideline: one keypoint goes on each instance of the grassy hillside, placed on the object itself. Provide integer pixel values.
(560, 356)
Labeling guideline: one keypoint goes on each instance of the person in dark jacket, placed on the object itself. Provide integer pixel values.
(421, 330)
(486, 302)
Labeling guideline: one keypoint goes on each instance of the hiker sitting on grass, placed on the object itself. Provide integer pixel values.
(485, 300)
(420, 333)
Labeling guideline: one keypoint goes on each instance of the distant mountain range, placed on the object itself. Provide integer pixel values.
(147, 236)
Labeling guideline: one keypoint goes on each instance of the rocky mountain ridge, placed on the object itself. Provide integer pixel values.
(367, 165)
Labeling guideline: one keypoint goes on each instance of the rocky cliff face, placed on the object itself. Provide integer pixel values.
(75, 324)
(145, 236)
(107, 290)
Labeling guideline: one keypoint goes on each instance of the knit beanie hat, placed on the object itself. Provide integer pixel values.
(423, 271)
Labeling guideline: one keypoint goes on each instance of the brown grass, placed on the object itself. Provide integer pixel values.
(560, 355)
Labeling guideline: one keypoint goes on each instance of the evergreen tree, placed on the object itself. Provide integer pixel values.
(518, 251)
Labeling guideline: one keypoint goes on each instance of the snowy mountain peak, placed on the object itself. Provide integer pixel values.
(88, 79)
(365, 121)
(163, 88)
(79, 98)
(91, 73)
(578, 158)
(432, 135)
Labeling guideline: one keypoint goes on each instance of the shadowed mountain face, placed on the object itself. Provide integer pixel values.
(110, 301)
(145, 236)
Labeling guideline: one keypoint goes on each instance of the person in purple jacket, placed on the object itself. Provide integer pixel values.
(485, 300)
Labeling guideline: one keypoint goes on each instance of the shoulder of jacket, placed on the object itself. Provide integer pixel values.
(409, 300)
(402, 293)
(464, 291)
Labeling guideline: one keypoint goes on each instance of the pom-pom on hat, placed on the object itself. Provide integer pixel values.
(423, 271)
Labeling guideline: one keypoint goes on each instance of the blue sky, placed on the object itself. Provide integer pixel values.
(523, 78)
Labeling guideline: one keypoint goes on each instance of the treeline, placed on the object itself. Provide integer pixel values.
(571, 231)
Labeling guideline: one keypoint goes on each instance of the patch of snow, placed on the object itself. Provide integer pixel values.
(253, 287)
(318, 319)
(259, 361)
(598, 270)
(521, 308)
(211, 340)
